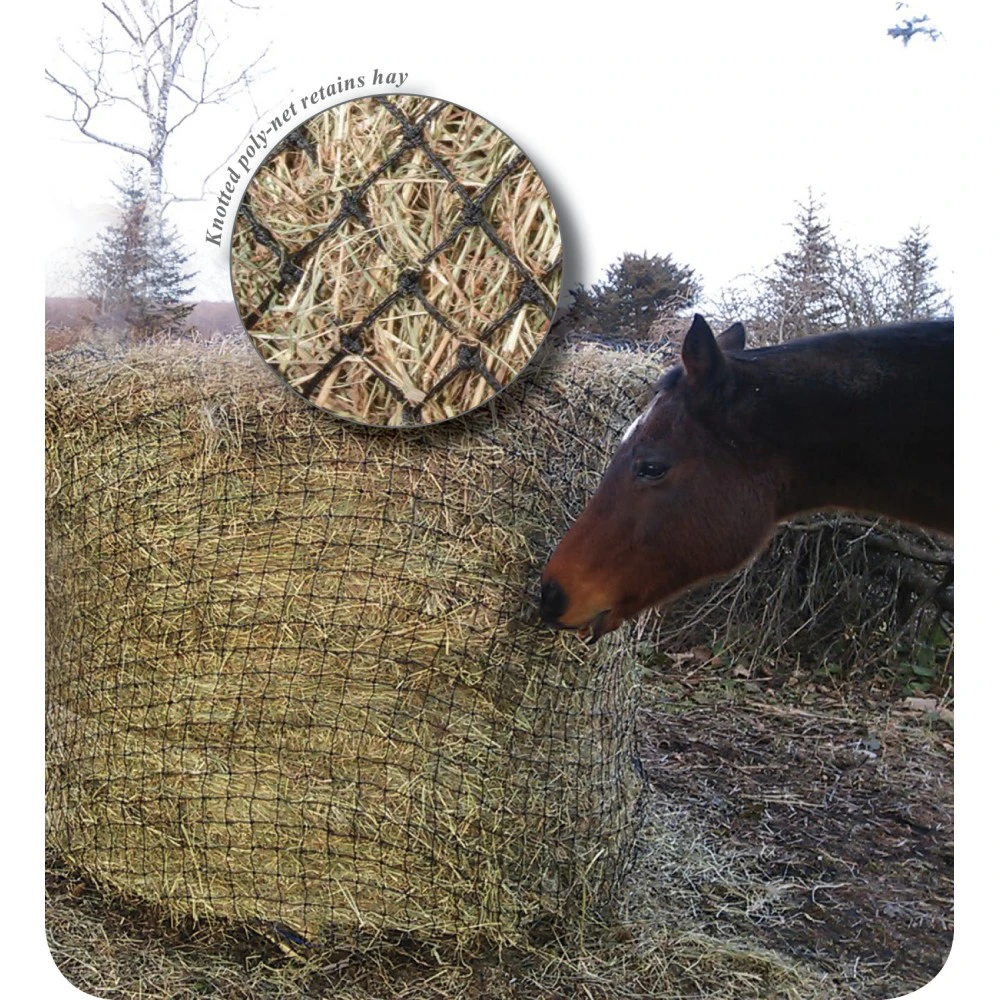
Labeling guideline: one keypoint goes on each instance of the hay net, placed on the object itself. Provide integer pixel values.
(397, 260)
(294, 674)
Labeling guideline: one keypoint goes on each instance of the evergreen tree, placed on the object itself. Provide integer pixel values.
(635, 290)
(135, 274)
(860, 286)
(799, 295)
(917, 295)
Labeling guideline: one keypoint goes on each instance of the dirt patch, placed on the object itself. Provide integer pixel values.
(848, 806)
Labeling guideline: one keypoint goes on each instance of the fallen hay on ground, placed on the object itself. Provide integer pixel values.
(672, 938)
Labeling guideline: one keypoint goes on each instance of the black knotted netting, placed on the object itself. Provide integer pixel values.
(295, 675)
(397, 260)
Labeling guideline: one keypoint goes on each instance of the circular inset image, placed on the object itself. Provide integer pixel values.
(397, 260)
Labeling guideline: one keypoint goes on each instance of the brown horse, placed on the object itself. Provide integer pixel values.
(735, 441)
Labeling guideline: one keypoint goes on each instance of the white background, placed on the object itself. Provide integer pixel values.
(682, 128)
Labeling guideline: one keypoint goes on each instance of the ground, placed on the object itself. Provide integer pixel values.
(849, 804)
(798, 844)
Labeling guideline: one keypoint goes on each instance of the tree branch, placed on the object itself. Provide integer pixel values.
(146, 74)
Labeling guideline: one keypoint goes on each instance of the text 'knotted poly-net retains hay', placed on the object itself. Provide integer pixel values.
(397, 260)
(294, 673)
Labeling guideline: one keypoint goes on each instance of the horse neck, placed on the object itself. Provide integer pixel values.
(856, 423)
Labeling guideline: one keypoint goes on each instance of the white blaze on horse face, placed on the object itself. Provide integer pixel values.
(638, 422)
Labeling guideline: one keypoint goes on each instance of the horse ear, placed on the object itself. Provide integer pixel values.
(734, 339)
(700, 353)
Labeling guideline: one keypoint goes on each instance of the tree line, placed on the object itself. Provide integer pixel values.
(821, 283)
(135, 275)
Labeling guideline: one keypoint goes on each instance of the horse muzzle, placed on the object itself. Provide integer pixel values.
(553, 603)
(554, 608)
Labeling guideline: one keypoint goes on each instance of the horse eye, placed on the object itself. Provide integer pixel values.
(651, 471)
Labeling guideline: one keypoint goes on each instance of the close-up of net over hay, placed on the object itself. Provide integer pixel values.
(397, 260)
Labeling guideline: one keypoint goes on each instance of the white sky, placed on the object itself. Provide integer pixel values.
(692, 131)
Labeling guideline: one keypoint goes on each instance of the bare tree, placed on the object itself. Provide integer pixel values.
(151, 62)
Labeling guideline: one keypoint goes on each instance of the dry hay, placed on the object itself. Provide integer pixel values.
(349, 211)
(294, 676)
(685, 927)
(835, 593)
(163, 457)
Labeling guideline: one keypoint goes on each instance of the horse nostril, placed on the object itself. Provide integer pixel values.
(553, 602)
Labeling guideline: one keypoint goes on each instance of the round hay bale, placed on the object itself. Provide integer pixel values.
(294, 673)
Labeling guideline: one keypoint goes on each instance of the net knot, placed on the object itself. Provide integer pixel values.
(350, 203)
(350, 343)
(472, 214)
(409, 282)
(469, 356)
(298, 139)
(290, 272)
(411, 415)
(412, 134)
(530, 292)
